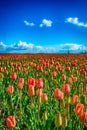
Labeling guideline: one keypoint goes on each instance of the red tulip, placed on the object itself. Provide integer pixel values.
(74, 63)
(53, 74)
(39, 83)
(44, 97)
(75, 79)
(18, 67)
(39, 92)
(79, 109)
(31, 90)
(13, 76)
(86, 79)
(10, 89)
(21, 80)
(58, 94)
(67, 68)
(75, 99)
(25, 69)
(31, 81)
(40, 68)
(20, 86)
(86, 90)
(83, 117)
(70, 80)
(66, 88)
(45, 72)
(11, 122)
(63, 77)
(1, 69)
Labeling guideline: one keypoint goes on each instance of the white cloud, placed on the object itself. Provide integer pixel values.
(47, 23)
(75, 21)
(2, 45)
(72, 46)
(28, 23)
(24, 47)
(25, 44)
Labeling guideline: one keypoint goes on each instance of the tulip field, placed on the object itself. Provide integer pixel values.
(43, 92)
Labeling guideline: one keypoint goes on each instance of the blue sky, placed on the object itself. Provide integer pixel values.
(50, 26)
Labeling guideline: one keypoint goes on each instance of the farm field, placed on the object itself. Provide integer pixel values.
(43, 91)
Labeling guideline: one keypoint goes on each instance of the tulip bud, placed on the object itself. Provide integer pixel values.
(64, 121)
(44, 97)
(39, 100)
(1, 77)
(39, 92)
(69, 100)
(10, 89)
(13, 76)
(31, 90)
(75, 99)
(58, 120)
(45, 115)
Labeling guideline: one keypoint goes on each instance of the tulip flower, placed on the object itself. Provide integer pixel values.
(83, 117)
(67, 68)
(13, 76)
(31, 81)
(86, 90)
(20, 86)
(79, 109)
(63, 77)
(31, 90)
(1, 69)
(18, 67)
(24, 69)
(53, 74)
(44, 97)
(11, 122)
(39, 92)
(64, 122)
(75, 79)
(10, 89)
(58, 94)
(70, 80)
(58, 120)
(86, 79)
(75, 99)
(21, 80)
(66, 88)
(39, 83)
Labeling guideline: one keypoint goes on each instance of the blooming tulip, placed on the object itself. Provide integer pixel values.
(79, 109)
(39, 83)
(58, 94)
(11, 122)
(31, 81)
(83, 117)
(66, 88)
